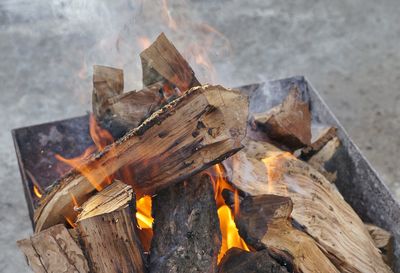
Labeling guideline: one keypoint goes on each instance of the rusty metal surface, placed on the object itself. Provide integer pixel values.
(37, 145)
(357, 180)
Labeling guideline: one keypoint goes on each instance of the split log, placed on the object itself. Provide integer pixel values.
(320, 136)
(203, 127)
(239, 261)
(187, 237)
(383, 240)
(162, 63)
(107, 83)
(262, 169)
(288, 123)
(264, 221)
(107, 231)
(166, 75)
(319, 160)
(54, 251)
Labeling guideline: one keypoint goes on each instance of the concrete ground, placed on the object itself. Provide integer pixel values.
(347, 49)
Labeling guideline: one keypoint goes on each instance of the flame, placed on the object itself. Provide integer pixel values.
(167, 14)
(229, 232)
(37, 192)
(143, 212)
(275, 173)
(144, 42)
(70, 222)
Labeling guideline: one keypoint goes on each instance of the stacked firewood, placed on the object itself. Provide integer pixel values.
(291, 215)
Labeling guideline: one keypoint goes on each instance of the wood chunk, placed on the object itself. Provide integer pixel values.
(54, 251)
(110, 240)
(288, 123)
(323, 156)
(107, 83)
(162, 62)
(115, 196)
(318, 207)
(129, 110)
(264, 222)
(238, 261)
(187, 237)
(203, 127)
(320, 137)
(383, 240)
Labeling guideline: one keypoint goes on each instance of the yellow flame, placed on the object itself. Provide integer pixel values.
(230, 234)
(37, 192)
(143, 212)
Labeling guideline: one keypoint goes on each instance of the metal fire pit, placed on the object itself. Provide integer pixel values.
(356, 179)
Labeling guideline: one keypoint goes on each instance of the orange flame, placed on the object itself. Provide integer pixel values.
(143, 42)
(229, 232)
(37, 192)
(143, 212)
(274, 172)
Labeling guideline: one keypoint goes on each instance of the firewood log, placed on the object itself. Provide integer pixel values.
(262, 169)
(107, 83)
(166, 75)
(110, 240)
(54, 251)
(288, 123)
(187, 237)
(383, 240)
(320, 135)
(323, 157)
(107, 236)
(264, 221)
(162, 62)
(238, 261)
(203, 127)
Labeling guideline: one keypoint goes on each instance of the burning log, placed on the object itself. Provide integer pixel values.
(262, 169)
(187, 237)
(289, 123)
(107, 231)
(107, 219)
(190, 134)
(163, 64)
(264, 221)
(384, 241)
(166, 75)
(239, 261)
(54, 250)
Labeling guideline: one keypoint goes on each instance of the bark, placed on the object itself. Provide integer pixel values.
(264, 221)
(195, 131)
(239, 261)
(318, 207)
(187, 237)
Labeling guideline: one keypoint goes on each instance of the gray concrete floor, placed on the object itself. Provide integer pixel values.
(348, 49)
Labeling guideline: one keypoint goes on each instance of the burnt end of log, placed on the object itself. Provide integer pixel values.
(187, 235)
(239, 261)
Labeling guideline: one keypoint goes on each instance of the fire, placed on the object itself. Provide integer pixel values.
(274, 172)
(101, 138)
(143, 212)
(37, 192)
(229, 232)
(167, 14)
(143, 42)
